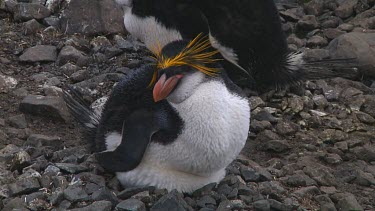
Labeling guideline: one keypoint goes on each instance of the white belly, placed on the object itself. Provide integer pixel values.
(216, 126)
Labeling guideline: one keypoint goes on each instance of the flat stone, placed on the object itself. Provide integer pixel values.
(348, 203)
(32, 27)
(24, 186)
(49, 106)
(171, 201)
(277, 145)
(316, 41)
(75, 194)
(365, 153)
(28, 11)
(39, 53)
(18, 121)
(71, 168)
(307, 23)
(364, 179)
(287, 128)
(131, 205)
(38, 140)
(104, 193)
(262, 205)
(314, 7)
(346, 9)
(332, 33)
(71, 54)
(303, 192)
(128, 192)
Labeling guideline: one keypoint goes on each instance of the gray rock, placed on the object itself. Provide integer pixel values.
(7, 83)
(365, 153)
(39, 53)
(369, 105)
(105, 194)
(71, 168)
(346, 27)
(128, 192)
(293, 39)
(32, 27)
(7, 153)
(287, 128)
(272, 187)
(298, 180)
(27, 11)
(314, 7)
(52, 21)
(256, 102)
(75, 193)
(20, 160)
(24, 186)
(346, 8)
(8, 5)
(262, 205)
(171, 201)
(71, 54)
(6, 177)
(206, 201)
(49, 106)
(332, 33)
(205, 190)
(21, 92)
(258, 126)
(69, 68)
(332, 22)
(54, 81)
(96, 206)
(348, 203)
(303, 192)
(355, 45)
(131, 205)
(277, 145)
(92, 17)
(38, 140)
(316, 41)
(276, 205)
(80, 75)
(316, 54)
(333, 159)
(364, 179)
(307, 23)
(18, 121)
(365, 118)
(343, 146)
(321, 175)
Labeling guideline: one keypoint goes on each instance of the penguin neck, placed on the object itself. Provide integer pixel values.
(187, 87)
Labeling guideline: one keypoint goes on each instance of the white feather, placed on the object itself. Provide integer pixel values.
(149, 30)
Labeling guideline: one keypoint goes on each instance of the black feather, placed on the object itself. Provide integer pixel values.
(82, 113)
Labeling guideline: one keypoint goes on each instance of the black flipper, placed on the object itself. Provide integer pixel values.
(137, 131)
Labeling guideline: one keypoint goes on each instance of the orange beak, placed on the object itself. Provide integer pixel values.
(165, 86)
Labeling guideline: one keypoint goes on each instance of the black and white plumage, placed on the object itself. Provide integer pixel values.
(182, 142)
(248, 34)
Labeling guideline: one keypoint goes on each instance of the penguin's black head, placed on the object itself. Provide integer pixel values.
(181, 66)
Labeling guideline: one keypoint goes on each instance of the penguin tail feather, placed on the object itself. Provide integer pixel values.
(81, 112)
(295, 69)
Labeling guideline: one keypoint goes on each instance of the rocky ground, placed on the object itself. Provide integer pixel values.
(311, 147)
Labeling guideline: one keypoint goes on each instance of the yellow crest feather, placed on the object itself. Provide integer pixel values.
(195, 55)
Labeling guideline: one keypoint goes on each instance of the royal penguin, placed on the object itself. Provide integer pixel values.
(176, 123)
(248, 34)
